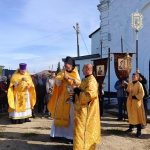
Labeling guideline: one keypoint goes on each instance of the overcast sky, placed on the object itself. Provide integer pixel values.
(40, 32)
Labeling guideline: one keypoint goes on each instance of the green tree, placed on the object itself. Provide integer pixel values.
(58, 67)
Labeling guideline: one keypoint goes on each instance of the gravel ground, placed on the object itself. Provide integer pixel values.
(34, 135)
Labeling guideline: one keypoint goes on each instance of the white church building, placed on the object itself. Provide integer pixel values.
(115, 21)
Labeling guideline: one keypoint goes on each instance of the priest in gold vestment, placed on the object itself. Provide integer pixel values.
(86, 118)
(62, 112)
(21, 96)
(135, 107)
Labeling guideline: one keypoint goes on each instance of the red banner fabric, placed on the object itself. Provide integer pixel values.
(119, 64)
(99, 71)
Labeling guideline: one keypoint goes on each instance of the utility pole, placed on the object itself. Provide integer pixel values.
(137, 25)
(77, 32)
(109, 76)
(136, 48)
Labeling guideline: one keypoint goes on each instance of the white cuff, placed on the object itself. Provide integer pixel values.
(58, 82)
(16, 84)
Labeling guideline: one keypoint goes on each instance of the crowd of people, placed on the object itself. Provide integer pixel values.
(22, 93)
(77, 120)
(43, 84)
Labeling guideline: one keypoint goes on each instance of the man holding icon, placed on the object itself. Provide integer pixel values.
(135, 108)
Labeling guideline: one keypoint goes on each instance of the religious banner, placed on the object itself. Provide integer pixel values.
(120, 65)
(1, 69)
(99, 71)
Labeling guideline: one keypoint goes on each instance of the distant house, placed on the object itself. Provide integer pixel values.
(31, 73)
(47, 72)
(7, 72)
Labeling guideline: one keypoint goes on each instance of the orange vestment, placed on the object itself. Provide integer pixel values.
(135, 107)
(57, 105)
(87, 116)
(17, 92)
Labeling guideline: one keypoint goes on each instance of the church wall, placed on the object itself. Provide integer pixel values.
(95, 43)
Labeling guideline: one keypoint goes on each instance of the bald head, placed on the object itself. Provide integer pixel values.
(87, 69)
(89, 66)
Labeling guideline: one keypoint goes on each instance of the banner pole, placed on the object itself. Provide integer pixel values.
(109, 76)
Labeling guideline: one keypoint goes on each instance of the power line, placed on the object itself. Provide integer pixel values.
(98, 48)
(38, 38)
(59, 40)
(129, 46)
(115, 45)
(125, 43)
(84, 43)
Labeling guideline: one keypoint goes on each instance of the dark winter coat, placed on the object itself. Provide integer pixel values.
(144, 84)
(3, 88)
